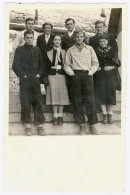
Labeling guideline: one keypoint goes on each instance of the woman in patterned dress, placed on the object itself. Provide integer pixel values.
(105, 81)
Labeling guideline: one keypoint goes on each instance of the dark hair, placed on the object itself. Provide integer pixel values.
(100, 22)
(43, 26)
(56, 35)
(28, 32)
(68, 19)
(103, 36)
(29, 19)
(77, 31)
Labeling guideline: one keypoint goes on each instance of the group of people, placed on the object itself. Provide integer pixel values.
(72, 71)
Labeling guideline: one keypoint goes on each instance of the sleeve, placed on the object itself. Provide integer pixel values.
(94, 62)
(17, 41)
(41, 64)
(68, 63)
(16, 66)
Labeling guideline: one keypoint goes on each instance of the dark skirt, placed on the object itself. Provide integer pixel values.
(105, 87)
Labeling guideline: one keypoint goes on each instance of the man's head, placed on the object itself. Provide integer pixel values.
(70, 24)
(29, 37)
(47, 28)
(29, 22)
(79, 36)
(99, 26)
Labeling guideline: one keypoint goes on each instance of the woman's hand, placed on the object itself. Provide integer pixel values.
(58, 67)
(37, 75)
(99, 68)
(108, 68)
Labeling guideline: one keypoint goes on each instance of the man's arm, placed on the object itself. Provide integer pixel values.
(68, 62)
(94, 62)
(41, 64)
(16, 66)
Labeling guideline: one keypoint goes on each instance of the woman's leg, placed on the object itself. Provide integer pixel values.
(55, 111)
(110, 113)
(55, 115)
(60, 111)
(60, 114)
(109, 109)
(104, 109)
(104, 114)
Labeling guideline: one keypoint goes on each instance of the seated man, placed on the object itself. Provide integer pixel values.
(81, 63)
(28, 66)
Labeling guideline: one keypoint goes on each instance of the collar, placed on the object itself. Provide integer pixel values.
(69, 33)
(28, 46)
(84, 46)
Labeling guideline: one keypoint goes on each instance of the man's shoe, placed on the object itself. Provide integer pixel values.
(93, 130)
(110, 121)
(60, 120)
(40, 131)
(104, 119)
(55, 121)
(28, 132)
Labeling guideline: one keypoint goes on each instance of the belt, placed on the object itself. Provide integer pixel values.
(82, 71)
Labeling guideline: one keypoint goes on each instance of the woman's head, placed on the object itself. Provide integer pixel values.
(103, 41)
(57, 40)
(47, 28)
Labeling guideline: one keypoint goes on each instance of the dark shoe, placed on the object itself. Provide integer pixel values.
(60, 120)
(110, 121)
(93, 130)
(55, 121)
(104, 119)
(40, 131)
(82, 128)
(28, 131)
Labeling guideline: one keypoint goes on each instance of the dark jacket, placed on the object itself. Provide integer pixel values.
(41, 43)
(94, 42)
(68, 42)
(27, 60)
(51, 62)
(107, 57)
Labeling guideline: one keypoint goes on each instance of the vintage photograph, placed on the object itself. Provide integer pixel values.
(65, 71)
(65, 97)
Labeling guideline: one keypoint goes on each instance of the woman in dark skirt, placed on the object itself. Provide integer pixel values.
(104, 81)
(57, 94)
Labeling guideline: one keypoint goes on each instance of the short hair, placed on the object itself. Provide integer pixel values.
(28, 32)
(100, 22)
(79, 30)
(104, 36)
(46, 23)
(68, 19)
(29, 19)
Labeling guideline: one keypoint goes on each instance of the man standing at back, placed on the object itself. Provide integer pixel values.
(19, 41)
(68, 37)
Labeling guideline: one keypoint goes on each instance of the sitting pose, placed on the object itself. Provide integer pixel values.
(57, 94)
(105, 83)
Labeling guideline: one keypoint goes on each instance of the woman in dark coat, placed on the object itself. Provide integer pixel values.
(44, 42)
(105, 83)
(57, 93)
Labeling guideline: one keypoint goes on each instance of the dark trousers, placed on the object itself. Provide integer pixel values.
(30, 95)
(83, 97)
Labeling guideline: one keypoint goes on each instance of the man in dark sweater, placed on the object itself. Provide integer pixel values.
(28, 66)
